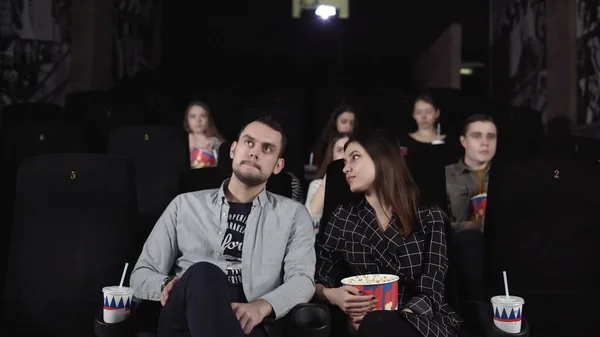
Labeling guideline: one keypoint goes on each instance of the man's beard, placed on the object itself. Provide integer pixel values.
(249, 179)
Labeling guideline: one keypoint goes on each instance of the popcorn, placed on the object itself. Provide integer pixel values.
(370, 279)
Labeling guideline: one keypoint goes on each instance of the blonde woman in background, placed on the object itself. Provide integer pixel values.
(204, 138)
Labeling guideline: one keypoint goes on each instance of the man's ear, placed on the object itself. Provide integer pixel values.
(232, 149)
(279, 166)
(463, 141)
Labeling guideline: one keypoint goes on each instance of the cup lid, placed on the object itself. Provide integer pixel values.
(508, 301)
(116, 290)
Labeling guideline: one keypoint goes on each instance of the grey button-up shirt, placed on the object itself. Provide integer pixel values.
(278, 259)
(461, 186)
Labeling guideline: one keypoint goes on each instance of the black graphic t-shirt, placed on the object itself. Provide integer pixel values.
(234, 238)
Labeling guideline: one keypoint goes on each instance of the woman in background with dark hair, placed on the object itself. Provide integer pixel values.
(426, 114)
(343, 120)
(427, 140)
(204, 138)
(386, 233)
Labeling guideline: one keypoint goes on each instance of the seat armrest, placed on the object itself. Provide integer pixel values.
(304, 320)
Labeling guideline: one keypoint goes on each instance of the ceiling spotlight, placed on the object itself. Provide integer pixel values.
(325, 11)
(323, 8)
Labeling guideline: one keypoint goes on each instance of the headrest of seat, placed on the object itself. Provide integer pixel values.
(337, 191)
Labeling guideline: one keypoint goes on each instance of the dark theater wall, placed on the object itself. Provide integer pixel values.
(137, 36)
(521, 51)
(51, 47)
(588, 62)
(34, 50)
(217, 43)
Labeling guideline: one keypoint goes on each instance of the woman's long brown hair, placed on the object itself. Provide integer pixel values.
(393, 184)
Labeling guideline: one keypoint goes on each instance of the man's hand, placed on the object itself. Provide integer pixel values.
(251, 314)
(474, 225)
(164, 296)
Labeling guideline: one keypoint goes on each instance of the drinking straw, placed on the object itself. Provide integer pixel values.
(123, 276)
(505, 284)
(310, 162)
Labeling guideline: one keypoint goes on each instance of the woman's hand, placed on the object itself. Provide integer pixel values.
(350, 300)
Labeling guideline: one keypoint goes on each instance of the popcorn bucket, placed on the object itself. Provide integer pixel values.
(384, 287)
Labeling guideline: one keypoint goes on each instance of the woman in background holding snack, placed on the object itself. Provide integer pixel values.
(386, 233)
(204, 138)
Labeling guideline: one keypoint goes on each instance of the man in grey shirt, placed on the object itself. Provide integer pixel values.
(470, 175)
(465, 179)
(221, 261)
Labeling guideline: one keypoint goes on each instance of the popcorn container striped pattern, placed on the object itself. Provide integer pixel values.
(383, 287)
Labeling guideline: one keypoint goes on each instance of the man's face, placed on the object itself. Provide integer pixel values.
(480, 142)
(255, 154)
